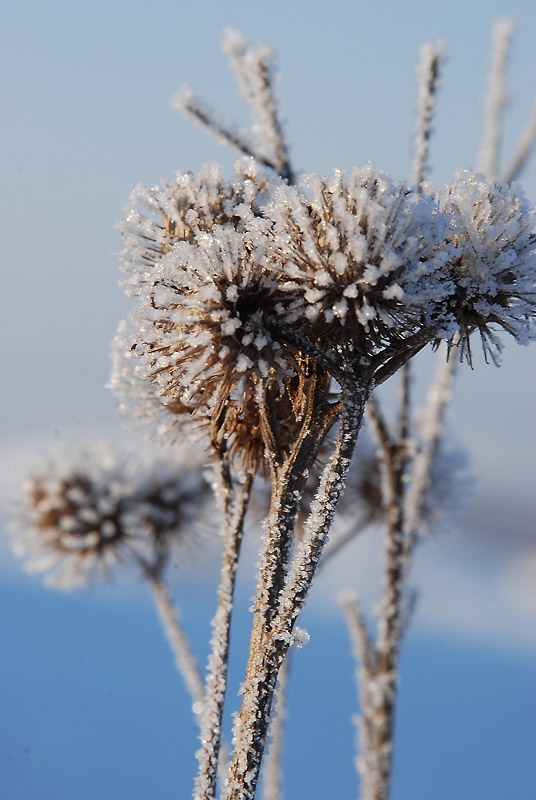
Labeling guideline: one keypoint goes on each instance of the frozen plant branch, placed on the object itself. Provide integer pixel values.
(438, 400)
(191, 105)
(184, 658)
(234, 501)
(359, 633)
(432, 55)
(372, 786)
(253, 69)
(270, 642)
(497, 97)
(524, 148)
(273, 763)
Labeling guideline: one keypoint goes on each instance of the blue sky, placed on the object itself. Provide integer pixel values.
(89, 689)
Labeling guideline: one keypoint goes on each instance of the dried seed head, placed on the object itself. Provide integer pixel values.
(158, 218)
(81, 516)
(493, 262)
(362, 258)
(203, 341)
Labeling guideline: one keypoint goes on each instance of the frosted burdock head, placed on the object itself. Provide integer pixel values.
(180, 209)
(84, 514)
(202, 339)
(362, 258)
(493, 265)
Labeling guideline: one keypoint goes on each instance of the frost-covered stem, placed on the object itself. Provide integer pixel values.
(378, 689)
(268, 650)
(323, 509)
(253, 67)
(273, 763)
(202, 114)
(363, 647)
(431, 56)
(383, 692)
(288, 483)
(403, 508)
(438, 399)
(377, 420)
(404, 402)
(523, 150)
(184, 658)
(234, 505)
(497, 97)
(366, 668)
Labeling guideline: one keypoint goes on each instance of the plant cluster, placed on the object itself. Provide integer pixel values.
(268, 310)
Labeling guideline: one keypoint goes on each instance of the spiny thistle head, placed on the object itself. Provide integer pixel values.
(240, 302)
(84, 515)
(178, 210)
(493, 262)
(361, 256)
(203, 338)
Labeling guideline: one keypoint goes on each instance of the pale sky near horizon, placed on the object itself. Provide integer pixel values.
(87, 90)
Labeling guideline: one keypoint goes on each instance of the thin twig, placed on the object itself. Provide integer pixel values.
(438, 399)
(497, 97)
(273, 763)
(383, 698)
(184, 659)
(366, 662)
(202, 114)
(523, 149)
(235, 506)
(404, 413)
(432, 54)
(381, 431)
(253, 67)
(363, 646)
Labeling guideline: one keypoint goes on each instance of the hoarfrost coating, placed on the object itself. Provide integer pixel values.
(86, 512)
(493, 266)
(241, 283)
